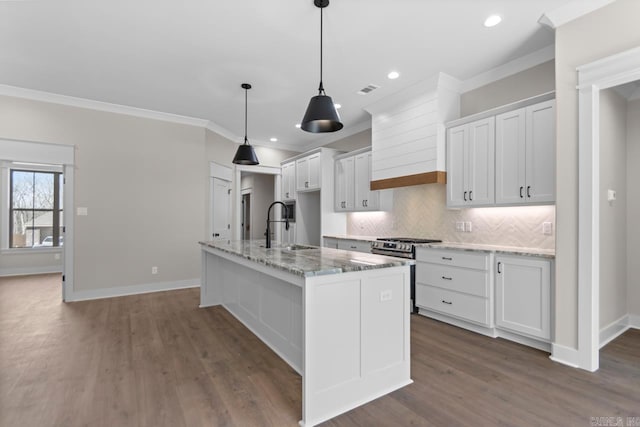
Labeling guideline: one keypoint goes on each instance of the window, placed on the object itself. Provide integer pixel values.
(35, 208)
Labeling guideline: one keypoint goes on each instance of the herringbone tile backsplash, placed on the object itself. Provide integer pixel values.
(420, 211)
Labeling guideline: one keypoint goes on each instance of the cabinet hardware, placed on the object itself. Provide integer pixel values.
(528, 191)
(366, 203)
(471, 196)
(521, 196)
(447, 302)
(353, 247)
(306, 184)
(447, 258)
(465, 196)
(216, 234)
(499, 271)
(446, 278)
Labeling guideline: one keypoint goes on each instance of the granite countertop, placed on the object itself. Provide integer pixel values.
(314, 261)
(508, 250)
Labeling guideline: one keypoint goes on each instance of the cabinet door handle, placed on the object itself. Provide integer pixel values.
(465, 196)
(366, 203)
(447, 258)
(216, 234)
(353, 247)
(499, 271)
(528, 191)
(521, 188)
(306, 184)
(471, 196)
(446, 278)
(447, 302)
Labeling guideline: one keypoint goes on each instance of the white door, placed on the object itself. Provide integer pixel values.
(455, 165)
(541, 152)
(481, 170)
(302, 174)
(344, 184)
(314, 170)
(220, 221)
(365, 199)
(510, 157)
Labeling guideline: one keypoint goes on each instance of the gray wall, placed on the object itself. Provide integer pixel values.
(613, 215)
(604, 32)
(353, 142)
(144, 182)
(633, 207)
(525, 84)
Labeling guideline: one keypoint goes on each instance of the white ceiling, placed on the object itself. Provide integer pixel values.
(190, 57)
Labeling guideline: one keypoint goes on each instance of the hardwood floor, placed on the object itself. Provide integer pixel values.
(159, 360)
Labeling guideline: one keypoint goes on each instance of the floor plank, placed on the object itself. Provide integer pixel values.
(159, 360)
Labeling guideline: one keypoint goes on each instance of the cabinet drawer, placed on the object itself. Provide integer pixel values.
(467, 259)
(467, 307)
(474, 282)
(354, 245)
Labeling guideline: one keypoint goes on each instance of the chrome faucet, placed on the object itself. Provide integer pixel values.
(286, 221)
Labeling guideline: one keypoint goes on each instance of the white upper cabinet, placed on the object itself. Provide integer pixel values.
(470, 164)
(353, 185)
(344, 181)
(525, 155)
(308, 173)
(289, 181)
(365, 199)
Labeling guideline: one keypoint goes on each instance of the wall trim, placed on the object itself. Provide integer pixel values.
(24, 271)
(120, 291)
(37, 95)
(565, 355)
(613, 330)
(510, 68)
(634, 321)
(571, 11)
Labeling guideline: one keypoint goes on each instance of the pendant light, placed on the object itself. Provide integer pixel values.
(321, 115)
(245, 155)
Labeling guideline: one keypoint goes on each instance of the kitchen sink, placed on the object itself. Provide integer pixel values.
(298, 247)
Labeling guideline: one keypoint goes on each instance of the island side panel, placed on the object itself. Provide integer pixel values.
(356, 340)
(268, 306)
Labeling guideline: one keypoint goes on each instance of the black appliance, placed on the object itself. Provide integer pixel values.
(402, 247)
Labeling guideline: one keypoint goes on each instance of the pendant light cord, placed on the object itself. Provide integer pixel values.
(245, 115)
(321, 88)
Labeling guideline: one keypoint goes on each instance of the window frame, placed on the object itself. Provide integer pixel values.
(7, 208)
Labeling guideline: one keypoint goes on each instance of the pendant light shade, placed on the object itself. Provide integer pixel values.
(321, 115)
(245, 155)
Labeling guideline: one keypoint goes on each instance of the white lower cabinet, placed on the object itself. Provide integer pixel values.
(523, 295)
(354, 245)
(463, 287)
(289, 236)
(455, 283)
(330, 242)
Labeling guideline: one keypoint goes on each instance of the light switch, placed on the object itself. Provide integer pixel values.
(467, 227)
(611, 195)
(82, 211)
(386, 295)
(459, 226)
(547, 228)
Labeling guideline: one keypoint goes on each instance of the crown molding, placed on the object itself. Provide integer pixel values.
(510, 68)
(570, 12)
(36, 95)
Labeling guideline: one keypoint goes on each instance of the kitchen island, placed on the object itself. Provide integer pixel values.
(339, 318)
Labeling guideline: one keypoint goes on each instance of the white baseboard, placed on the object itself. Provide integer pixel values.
(521, 339)
(634, 321)
(614, 330)
(565, 355)
(22, 271)
(489, 332)
(131, 290)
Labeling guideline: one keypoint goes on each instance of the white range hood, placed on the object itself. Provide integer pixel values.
(408, 133)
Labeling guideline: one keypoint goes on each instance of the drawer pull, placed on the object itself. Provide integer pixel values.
(447, 302)
(446, 278)
(353, 247)
(447, 258)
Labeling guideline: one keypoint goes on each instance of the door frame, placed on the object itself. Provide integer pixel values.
(593, 77)
(237, 196)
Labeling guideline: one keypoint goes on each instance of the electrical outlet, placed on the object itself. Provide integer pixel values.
(547, 228)
(459, 226)
(56, 256)
(467, 227)
(386, 295)
(154, 270)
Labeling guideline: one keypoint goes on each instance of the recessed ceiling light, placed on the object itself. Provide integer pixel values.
(298, 125)
(337, 106)
(274, 139)
(492, 21)
(393, 75)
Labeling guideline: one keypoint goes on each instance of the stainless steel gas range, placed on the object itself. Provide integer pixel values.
(402, 247)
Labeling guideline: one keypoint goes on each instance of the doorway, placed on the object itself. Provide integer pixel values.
(593, 78)
(246, 216)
